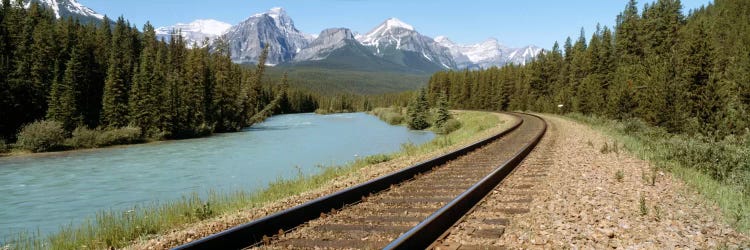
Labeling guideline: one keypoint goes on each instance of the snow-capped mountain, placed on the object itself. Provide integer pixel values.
(393, 37)
(195, 32)
(273, 28)
(524, 55)
(392, 45)
(488, 53)
(457, 52)
(66, 8)
(328, 41)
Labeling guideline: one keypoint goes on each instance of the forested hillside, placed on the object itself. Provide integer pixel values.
(685, 73)
(339, 81)
(110, 75)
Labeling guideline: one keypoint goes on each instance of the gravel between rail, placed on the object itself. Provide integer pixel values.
(382, 217)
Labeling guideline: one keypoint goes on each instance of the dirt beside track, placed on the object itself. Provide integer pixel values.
(572, 197)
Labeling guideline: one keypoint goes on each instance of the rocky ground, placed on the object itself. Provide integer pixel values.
(192, 232)
(579, 193)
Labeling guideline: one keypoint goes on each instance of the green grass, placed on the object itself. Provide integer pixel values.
(395, 115)
(619, 175)
(117, 228)
(718, 170)
(392, 115)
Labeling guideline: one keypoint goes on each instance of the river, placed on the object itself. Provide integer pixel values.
(43, 192)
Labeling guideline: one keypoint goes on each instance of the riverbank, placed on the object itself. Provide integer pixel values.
(476, 126)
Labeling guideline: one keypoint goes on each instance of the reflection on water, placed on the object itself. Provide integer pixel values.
(46, 191)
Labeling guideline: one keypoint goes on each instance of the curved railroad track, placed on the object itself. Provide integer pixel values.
(408, 209)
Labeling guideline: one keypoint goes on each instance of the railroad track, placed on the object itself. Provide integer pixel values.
(486, 223)
(408, 209)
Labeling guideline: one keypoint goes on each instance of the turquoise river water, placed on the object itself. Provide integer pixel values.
(43, 192)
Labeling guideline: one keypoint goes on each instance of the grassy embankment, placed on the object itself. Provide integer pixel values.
(397, 116)
(120, 228)
(718, 170)
(49, 136)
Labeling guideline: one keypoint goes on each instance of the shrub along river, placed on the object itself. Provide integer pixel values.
(43, 192)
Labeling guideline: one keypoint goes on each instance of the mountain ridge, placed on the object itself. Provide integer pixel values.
(65, 8)
(392, 40)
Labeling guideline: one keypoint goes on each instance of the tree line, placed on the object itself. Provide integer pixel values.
(685, 73)
(109, 75)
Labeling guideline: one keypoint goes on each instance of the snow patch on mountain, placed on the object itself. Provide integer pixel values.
(488, 53)
(462, 61)
(75, 6)
(390, 30)
(395, 34)
(64, 8)
(392, 40)
(195, 32)
(395, 23)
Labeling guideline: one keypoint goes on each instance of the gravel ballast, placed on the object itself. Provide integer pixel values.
(585, 197)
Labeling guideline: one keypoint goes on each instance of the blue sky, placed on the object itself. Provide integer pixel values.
(514, 23)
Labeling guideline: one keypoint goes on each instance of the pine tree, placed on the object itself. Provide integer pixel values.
(196, 80)
(254, 94)
(142, 103)
(116, 87)
(579, 66)
(228, 101)
(443, 115)
(285, 105)
(62, 105)
(628, 34)
(158, 93)
(42, 68)
(417, 112)
(174, 87)
(607, 62)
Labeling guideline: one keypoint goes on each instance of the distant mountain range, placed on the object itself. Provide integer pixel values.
(391, 46)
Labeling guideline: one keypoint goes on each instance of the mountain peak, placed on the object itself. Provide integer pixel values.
(396, 23)
(274, 13)
(273, 28)
(491, 40)
(64, 8)
(390, 31)
(328, 41)
(277, 10)
(444, 40)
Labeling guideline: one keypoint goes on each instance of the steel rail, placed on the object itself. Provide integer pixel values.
(432, 228)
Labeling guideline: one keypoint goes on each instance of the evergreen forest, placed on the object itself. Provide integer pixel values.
(109, 75)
